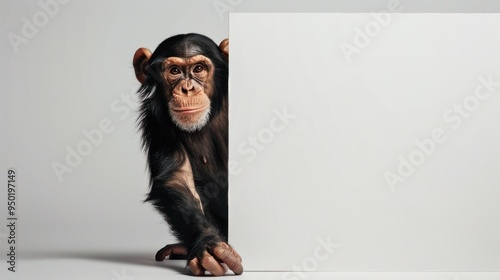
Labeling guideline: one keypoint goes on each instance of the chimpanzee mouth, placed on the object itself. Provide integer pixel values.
(192, 119)
(190, 110)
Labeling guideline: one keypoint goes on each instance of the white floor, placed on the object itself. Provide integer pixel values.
(137, 266)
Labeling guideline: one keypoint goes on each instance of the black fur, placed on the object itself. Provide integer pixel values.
(166, 146)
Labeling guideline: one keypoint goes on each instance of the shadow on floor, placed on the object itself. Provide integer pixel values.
(133, 258)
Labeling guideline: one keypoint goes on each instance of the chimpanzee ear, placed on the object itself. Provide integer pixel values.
(224, 47)
(141, 56)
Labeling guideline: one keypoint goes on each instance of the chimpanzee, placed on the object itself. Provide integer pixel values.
(184, 123)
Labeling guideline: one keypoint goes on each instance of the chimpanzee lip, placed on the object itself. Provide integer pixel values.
(190, 110)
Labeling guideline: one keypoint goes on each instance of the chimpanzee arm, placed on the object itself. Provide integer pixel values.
(179, 203)
(177, 200)
(185, 217)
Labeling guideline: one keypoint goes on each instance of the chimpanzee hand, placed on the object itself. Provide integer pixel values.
(216, 260)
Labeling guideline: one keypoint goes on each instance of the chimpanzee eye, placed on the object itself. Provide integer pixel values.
(198, 68)
(175, 70)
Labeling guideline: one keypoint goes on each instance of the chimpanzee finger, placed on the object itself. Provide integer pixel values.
(171, 249)
(196, 268)
(225, 254)
(231, 249)
(235, 253)
(212, 265)
(177, 256)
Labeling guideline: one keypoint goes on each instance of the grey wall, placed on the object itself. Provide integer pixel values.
(66, 69)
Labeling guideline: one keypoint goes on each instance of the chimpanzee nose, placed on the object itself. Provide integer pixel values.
(188, 87)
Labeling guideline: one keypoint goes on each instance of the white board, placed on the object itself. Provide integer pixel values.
(363, 142)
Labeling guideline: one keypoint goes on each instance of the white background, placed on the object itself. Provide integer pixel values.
(65, 79)
(320, 174)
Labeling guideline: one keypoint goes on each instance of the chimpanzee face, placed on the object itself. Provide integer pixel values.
(188, 87)
(187, 67)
